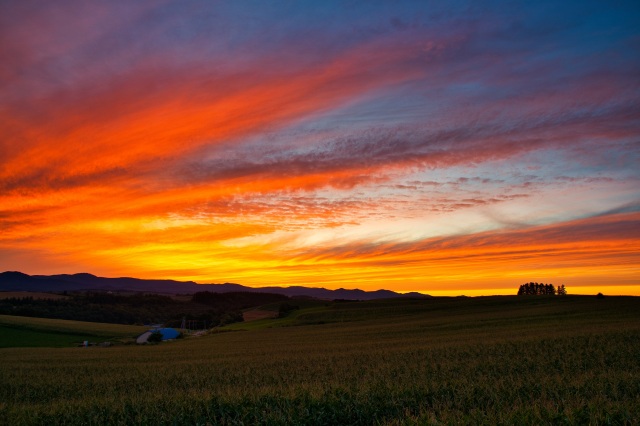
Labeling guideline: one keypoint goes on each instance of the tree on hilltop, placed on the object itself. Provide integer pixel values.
(541, 289)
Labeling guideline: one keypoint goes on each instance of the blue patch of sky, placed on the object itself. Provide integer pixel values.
(256, 27)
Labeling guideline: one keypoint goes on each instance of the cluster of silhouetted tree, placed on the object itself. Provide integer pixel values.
(540, 288)
(97, 307)
(285, 309)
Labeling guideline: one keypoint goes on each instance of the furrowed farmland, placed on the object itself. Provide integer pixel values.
(490, 360)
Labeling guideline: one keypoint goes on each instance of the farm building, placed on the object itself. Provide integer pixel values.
(167, 334)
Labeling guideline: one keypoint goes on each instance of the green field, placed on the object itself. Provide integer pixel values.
(496, 360)
(18, 331)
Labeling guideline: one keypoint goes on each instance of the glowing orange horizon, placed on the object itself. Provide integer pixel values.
(465, 264)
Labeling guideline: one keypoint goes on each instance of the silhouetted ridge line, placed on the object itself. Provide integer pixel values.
(18, 281)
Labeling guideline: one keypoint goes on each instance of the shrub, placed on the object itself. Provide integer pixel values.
(155, 337)
(285, 309)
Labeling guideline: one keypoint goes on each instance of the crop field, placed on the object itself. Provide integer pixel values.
(495, 360)
(16, 331)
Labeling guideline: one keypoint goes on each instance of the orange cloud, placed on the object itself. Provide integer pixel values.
(148, 117)
(580, 254)
(133, 144)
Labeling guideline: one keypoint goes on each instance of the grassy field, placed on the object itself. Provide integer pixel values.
(16, 331)
(498, 360)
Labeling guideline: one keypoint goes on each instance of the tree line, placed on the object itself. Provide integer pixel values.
(540, 289)
(212, 308)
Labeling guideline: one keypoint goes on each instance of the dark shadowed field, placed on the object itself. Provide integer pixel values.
(494, 360)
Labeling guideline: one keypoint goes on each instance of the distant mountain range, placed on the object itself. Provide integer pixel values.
(18, 281)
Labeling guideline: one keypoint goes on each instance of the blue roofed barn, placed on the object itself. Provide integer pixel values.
(167, 334)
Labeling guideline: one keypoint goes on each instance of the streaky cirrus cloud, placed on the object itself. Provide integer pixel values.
(263, 142)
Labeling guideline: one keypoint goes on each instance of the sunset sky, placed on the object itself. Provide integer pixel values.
(444, 147)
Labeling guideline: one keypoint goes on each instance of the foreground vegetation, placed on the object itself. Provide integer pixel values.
(503, 360)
